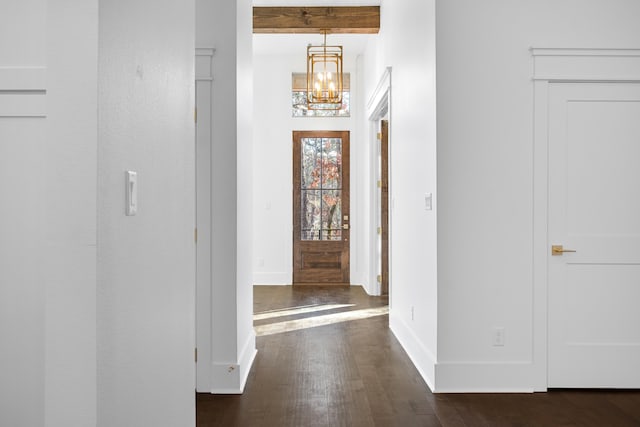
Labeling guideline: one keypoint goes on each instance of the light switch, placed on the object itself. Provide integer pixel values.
(131, 182)
(428, 201)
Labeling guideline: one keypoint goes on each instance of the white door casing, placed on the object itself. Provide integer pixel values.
(204, 95)
(594, 208)
(586, 110)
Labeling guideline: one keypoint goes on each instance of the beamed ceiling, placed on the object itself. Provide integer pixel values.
(310, 20)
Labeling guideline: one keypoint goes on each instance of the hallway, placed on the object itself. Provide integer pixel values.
(344, 373)
(326, 357)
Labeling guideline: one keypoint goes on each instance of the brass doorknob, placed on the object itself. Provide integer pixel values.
(557, 250)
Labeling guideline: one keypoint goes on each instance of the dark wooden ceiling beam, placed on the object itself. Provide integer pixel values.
(336, 20)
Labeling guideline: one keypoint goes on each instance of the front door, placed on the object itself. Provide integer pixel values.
(594, 210)
(321, 207)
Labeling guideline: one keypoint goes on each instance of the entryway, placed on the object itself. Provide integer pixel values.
(321, 207)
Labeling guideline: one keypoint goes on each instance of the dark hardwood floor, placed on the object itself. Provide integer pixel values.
(327, 358)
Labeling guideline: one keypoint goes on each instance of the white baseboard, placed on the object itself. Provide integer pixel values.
(231, 378)
(463, 377)
(247, 356)
(422, 358)
(369, 289)
(273, 278)
(484, 377)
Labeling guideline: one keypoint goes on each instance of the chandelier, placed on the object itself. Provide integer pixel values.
(324, 76)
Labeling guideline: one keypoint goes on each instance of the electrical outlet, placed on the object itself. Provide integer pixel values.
(498, 337)
(411, 312)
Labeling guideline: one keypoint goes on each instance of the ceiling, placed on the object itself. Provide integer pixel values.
(293, 44)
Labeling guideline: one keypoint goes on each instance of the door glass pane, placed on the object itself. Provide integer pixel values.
(321, 185)
(311, 163)
(331, 215)
(331, 162)
(311, 214)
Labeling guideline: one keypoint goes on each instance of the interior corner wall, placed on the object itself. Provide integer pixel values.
(485, 177)
(406, 43)
(368, 70)
(146, 278)
(246, 345)
(273, 168)
(226, 27)
(363, 147)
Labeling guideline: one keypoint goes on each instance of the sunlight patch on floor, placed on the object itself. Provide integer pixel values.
(312, 322)
(298, 310)
(275, 310)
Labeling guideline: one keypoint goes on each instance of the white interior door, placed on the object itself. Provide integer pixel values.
(594, 209)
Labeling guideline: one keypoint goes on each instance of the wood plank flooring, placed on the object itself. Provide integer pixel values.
(327, 358)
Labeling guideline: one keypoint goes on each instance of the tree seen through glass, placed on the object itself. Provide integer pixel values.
(321, 187)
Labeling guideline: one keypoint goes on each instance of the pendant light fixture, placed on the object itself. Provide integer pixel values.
(324, 76)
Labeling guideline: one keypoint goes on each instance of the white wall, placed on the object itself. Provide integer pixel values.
(22, 159)
(226, 26)
(485, 177)
(146, 262)
(407, 44)
(52, 323)
(69, 260)
(246, 347)
(48, 147)
(23, 33)
(273, 168)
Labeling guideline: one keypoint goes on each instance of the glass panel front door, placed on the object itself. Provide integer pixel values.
(321, 207)
(321, 189)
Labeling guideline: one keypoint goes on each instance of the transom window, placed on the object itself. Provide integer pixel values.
(299, 98)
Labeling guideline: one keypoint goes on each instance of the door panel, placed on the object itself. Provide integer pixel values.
(384, 207)
(594, 209)
(320, 207)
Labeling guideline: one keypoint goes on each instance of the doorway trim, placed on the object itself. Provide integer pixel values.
(560, 65)
(379, 107)
(202, 222)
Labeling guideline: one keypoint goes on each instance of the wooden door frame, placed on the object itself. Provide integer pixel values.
(328, 246)
(384, 206)
(559, 65)
(380, 107)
